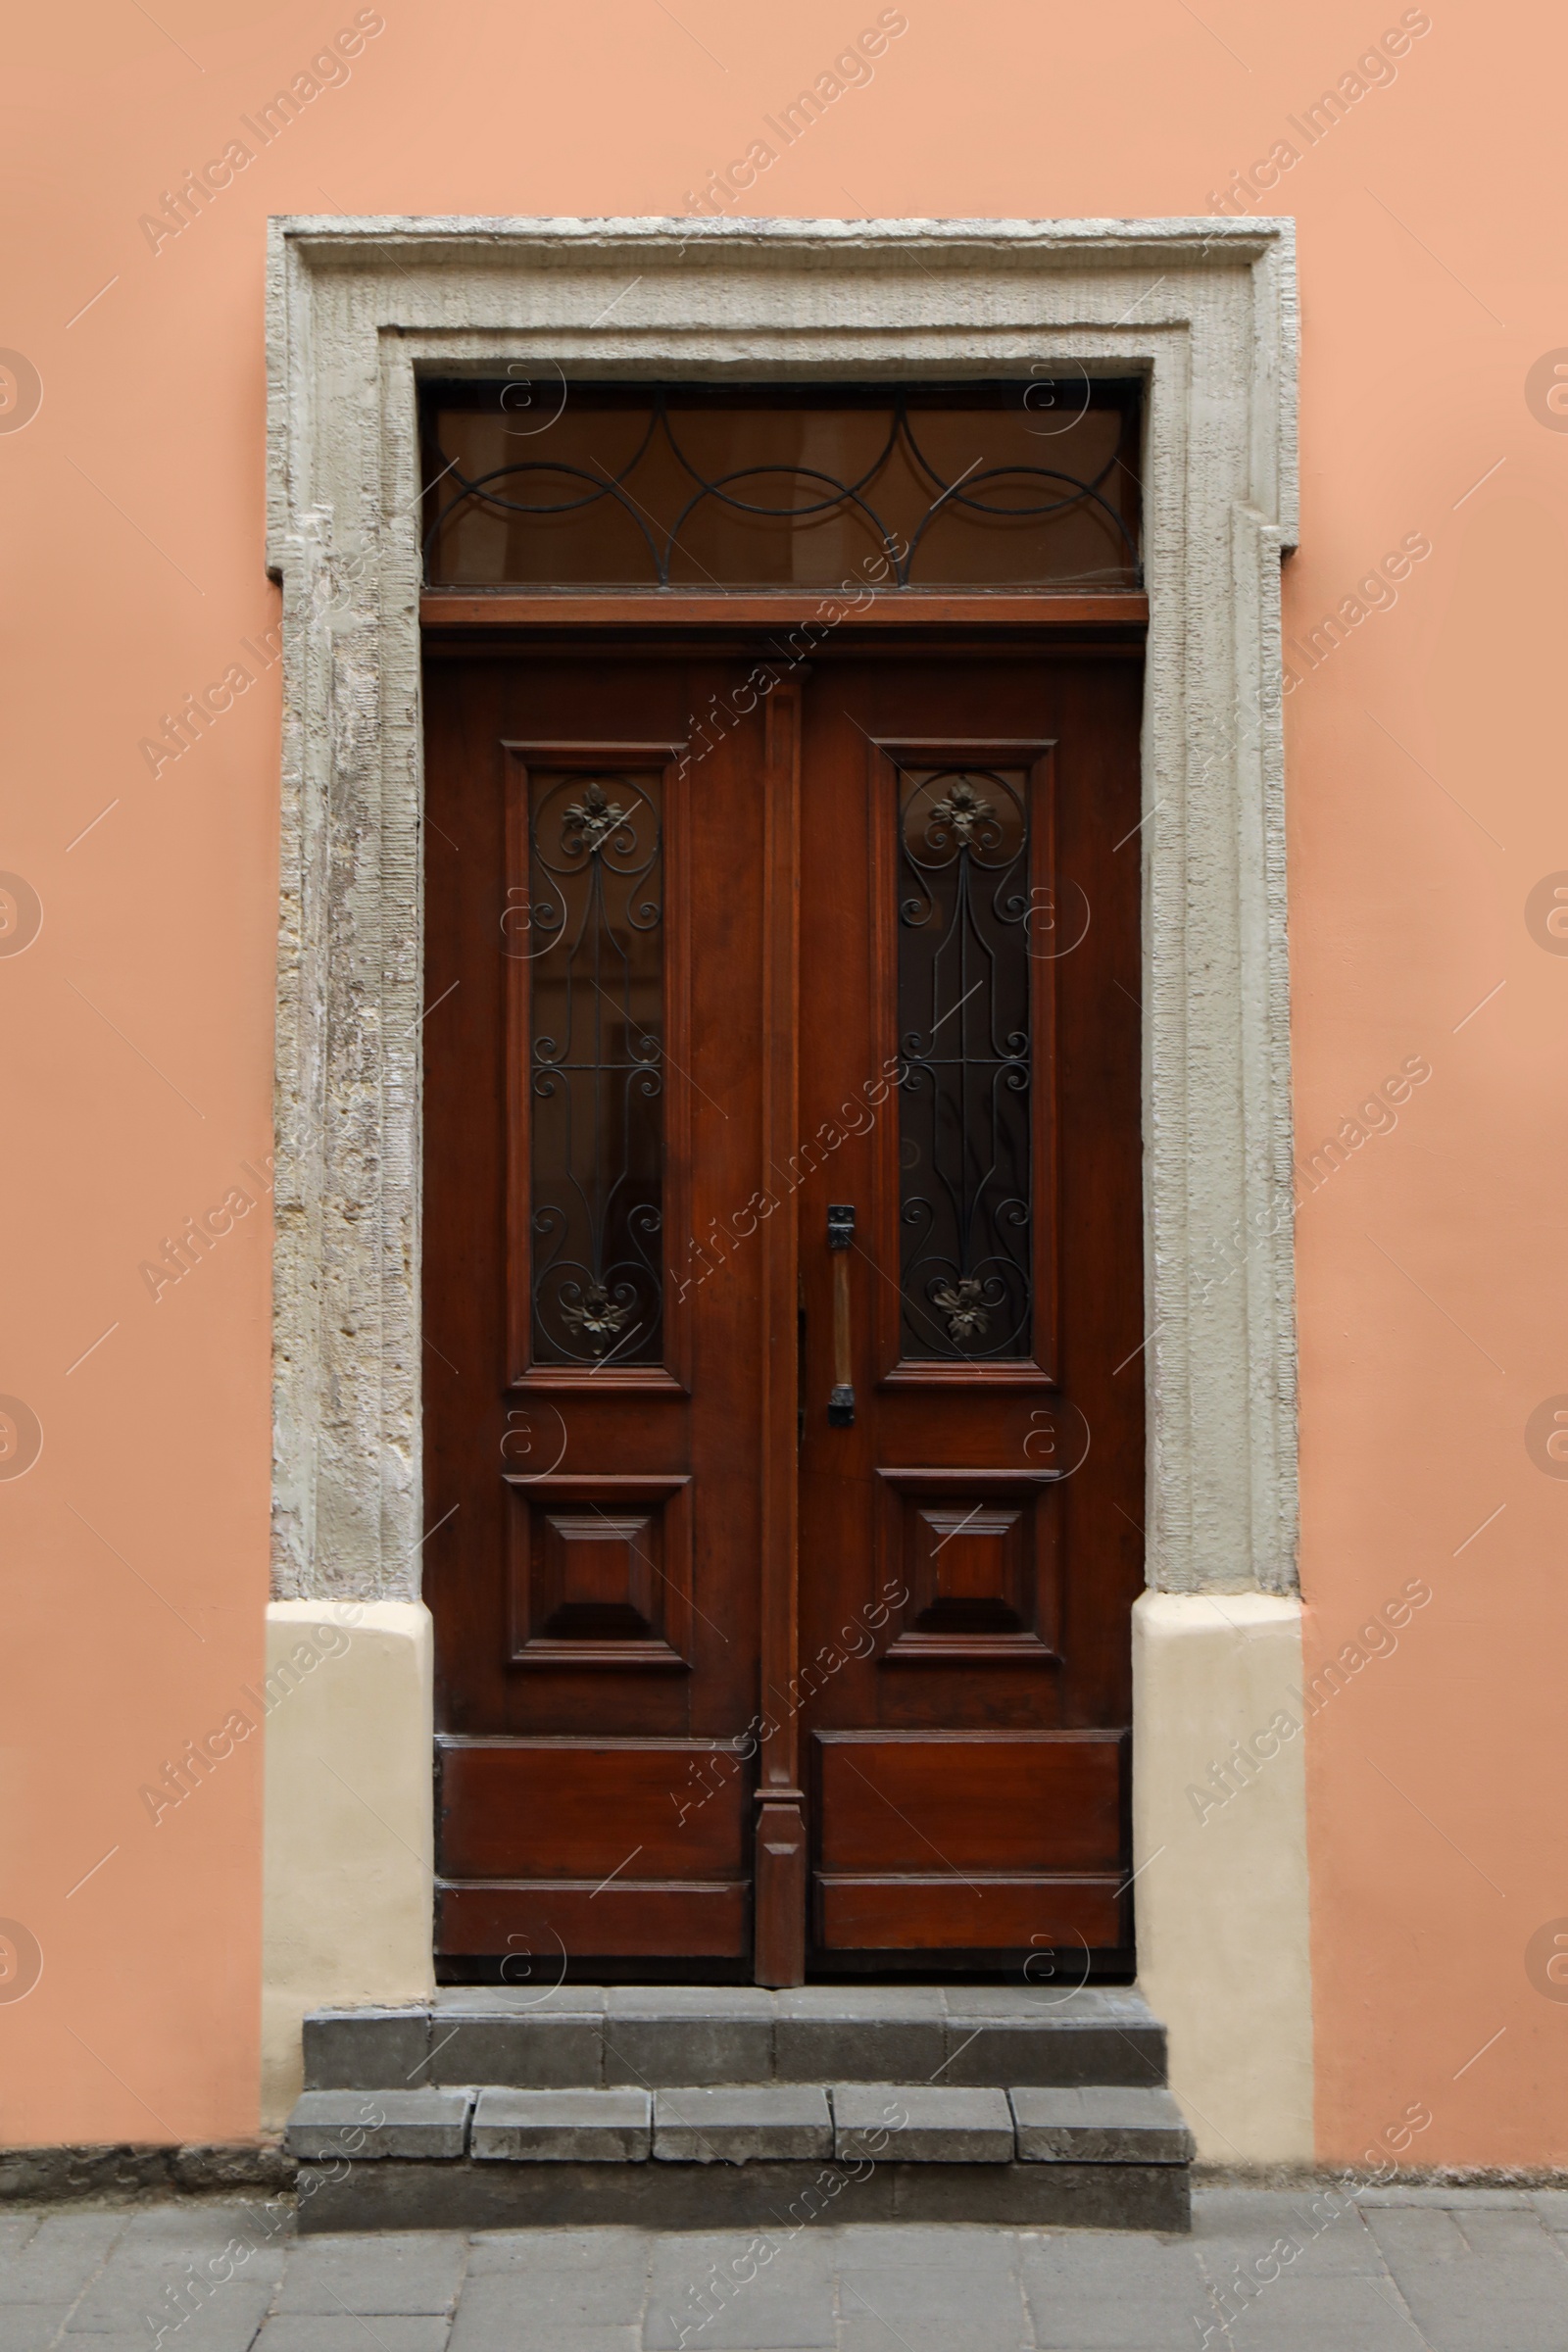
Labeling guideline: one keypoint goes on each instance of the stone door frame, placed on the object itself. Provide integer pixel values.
(1203, 310)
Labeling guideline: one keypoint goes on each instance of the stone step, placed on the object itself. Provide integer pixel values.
(766, 2154)
(596, 2037)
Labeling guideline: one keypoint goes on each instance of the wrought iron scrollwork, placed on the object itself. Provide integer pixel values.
(596, 1076)
(781, 492)
(964, 1043)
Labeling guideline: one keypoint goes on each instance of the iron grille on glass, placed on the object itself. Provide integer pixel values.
(595, 1076)
(861, 488)
(963, 983)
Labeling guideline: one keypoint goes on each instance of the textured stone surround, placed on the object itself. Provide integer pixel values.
(1205, 312)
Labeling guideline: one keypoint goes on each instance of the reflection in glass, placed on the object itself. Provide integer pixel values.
(596, 1068)
(854, 487)
(964, 1042)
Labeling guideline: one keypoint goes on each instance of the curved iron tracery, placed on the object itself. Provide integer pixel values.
(965, 1045)
(663, 545)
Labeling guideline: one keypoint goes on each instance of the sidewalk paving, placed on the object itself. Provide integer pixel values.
(1264, 2271)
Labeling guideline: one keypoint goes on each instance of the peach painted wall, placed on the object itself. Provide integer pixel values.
(1427, 800)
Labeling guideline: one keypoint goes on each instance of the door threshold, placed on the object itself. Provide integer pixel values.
(1062, 1968)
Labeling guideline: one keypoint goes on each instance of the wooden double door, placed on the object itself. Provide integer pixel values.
(783, 1298)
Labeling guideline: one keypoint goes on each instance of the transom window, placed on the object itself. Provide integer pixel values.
(540, 482)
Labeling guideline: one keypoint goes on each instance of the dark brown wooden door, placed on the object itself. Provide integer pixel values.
(971, 1545)
(727, 1680)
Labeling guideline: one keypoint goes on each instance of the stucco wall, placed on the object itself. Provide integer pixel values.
(1425, 807)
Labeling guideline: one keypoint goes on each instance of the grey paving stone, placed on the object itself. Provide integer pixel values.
(373, 2049)
(529, 1998)
(1098, 2292)
(1077, 2196)
(982, 2052)
(1037, 2034)
(185, 2222)
(718, 2034)
(532, 2035)
(471, 2195)
(851, 1999)
(330, 2124)
(314, 2331)
(859, 2033)
(1429, 2192)
(753, 2001)
(733, 2292)
(902, 2264)
(179, 2263)
(31, 2327)
(531, 2329)
(1118, 2322)
(1331, 2315)
(1427, 2237)
(1479, 2275)
(224, 2322)
(506, 2310)
(264, 2221)
(979, 2252)
(1319, 2230)
(1100, 2126)
(1077, 2005)
(953, 2307)
(753, 2123)
(531, 2050)
(61, 2255)
(597, 2253)
(1551, 2204)
(561, 2126)
(416, 2272)
(1513, 2237)
(15, 2230)
(196, 2305)
(915, 2124)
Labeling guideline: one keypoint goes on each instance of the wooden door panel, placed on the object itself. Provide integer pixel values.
(970, 1842)
(596, 972)
(945, 1914)
(971, 921)
(970, 1801)
(652, 1920)
(581, 1808)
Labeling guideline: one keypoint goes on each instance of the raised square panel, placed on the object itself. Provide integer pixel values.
(600, 1572)
(974, 1560)
(595, 1574)
(976, 1550)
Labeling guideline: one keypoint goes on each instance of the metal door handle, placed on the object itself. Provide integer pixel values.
(840, 1234)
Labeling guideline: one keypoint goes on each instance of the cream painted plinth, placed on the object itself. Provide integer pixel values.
(1222, 1890)
(347, 1849)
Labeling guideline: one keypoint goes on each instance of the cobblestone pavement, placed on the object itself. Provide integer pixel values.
(1387, 2270)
